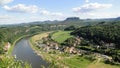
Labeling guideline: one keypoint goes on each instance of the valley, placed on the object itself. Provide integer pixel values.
(61, 45)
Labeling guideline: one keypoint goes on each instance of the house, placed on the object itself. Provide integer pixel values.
(46, 48)
(56, 47)
(71, 50)
(66, 49)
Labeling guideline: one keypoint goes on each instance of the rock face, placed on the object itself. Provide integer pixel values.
(72, 19)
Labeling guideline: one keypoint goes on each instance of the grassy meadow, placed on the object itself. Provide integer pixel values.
(39, 36)
(61, 36)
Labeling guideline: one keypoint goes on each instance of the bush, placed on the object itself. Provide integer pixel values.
(90, 57)
(10, 62)
(70, 28)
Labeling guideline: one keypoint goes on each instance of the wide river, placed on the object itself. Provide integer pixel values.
(24, 52)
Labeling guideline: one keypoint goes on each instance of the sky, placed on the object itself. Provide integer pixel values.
(24, 11)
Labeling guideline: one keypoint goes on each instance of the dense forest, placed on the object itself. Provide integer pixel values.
(106, 36)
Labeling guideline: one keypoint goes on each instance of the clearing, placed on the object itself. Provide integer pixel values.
(61, 36)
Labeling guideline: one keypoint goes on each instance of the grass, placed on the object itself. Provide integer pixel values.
(102, 65)
(77, 62)
(39, 36)
(10, 62)
(61, 36)
(65, 61)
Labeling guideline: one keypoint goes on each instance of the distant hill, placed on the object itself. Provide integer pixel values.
(118, 18)
(76, 21)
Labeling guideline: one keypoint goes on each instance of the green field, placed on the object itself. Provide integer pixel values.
(61, 36)
(77, 62)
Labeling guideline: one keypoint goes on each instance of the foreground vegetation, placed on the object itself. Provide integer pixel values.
(10, 62)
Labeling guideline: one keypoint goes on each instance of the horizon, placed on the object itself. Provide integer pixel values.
(25, 11)
(53, 20)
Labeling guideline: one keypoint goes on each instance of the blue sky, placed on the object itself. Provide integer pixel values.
(23, 11)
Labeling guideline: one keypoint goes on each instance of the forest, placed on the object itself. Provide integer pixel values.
(106, 36)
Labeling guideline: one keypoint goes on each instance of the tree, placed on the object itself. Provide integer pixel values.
(70, 41)
(70, 28)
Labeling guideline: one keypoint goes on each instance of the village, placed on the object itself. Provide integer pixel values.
(46, 44)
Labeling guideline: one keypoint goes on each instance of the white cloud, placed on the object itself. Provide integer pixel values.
(91, 7)
(94, 15)
(57, 14)
(86, 1)
(5, 17)
(3, 2)
(45, 12)
(21, 8)
(101, 15)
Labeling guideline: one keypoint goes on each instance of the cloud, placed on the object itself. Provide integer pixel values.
(3, 2)
(57, 14)
(94, 15)
(86, 1)
(5, 17)
(21, 8)
(101, 15)
(45, 12)
(91, 7)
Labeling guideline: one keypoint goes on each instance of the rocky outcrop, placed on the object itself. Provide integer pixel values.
(7, 46)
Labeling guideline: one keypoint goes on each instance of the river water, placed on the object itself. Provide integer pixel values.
(24, 52)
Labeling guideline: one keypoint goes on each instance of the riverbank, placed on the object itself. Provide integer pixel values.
(64, 60)
(35, 38)
(58, 59)
(8, 61)
(12, 46)
(36, 50)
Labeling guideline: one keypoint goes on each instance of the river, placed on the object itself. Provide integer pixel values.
(24, 52)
